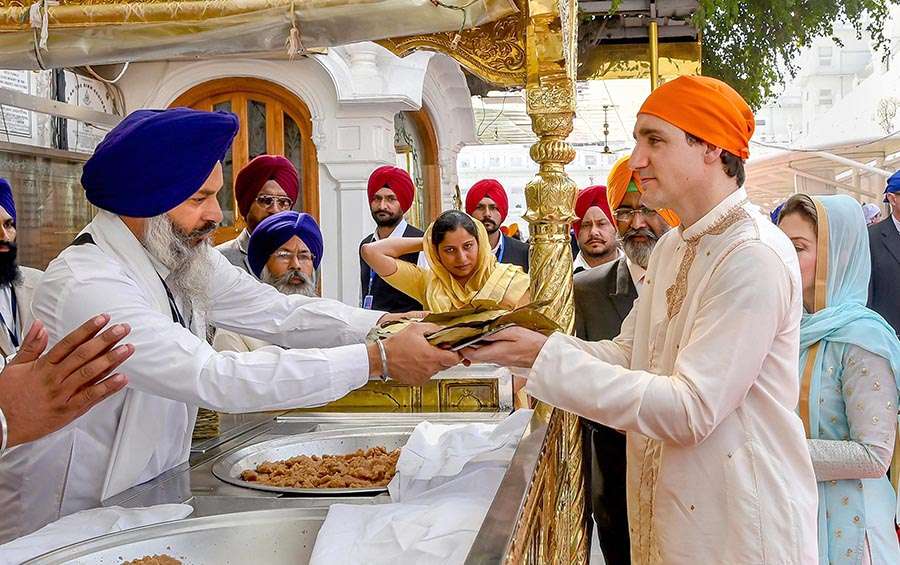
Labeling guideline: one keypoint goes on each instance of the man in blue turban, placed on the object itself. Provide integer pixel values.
(16, 283)
(284, 251)
(884, 245)
(146, 260)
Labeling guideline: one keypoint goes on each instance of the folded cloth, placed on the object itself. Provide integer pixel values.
(85, 525)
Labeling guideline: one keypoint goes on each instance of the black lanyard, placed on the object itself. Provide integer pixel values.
(176, 313)
(14, 330)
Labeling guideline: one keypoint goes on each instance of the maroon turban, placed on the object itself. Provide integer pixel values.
(487, 188)
(395, 179)
(261, 170)
(591, 196)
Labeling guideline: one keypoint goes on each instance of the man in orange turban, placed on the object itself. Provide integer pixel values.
(703, 377)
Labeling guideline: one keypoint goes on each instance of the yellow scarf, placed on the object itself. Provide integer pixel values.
(492, 284)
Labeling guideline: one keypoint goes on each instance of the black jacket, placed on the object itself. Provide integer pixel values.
(884, 244)
(515, 252)
(385, 297)
(603, 298)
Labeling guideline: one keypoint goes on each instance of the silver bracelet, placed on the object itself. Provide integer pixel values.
(4, 432)
(384, 364)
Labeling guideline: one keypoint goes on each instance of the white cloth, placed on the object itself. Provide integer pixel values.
(581, 262)
(134, 436)
(896, 222)
(637, 274)
(446, 479)
(718, 469)
(85, 525)
(399, 229)
(233, 341)
(24, 293)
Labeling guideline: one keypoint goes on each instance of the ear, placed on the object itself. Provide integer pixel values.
(712, 154)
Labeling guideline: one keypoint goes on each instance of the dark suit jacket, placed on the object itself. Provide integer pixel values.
(603, 298)
(884, 244)
(385, 297)
(515, 252)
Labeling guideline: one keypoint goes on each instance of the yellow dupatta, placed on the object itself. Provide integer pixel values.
(493, 284)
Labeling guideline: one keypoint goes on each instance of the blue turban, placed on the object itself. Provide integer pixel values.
(275, 230)
(893, 184)
(6, 199)
(776, 212)
(156, 159)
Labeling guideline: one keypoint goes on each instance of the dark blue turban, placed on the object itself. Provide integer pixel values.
(893, 185)
(156, 159)
(6, 199)
(776, 212)
(275, 230)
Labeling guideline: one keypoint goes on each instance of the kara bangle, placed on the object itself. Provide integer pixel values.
(4, 432)
(384, 363)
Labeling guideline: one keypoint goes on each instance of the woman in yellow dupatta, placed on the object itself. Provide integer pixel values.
(464, 272)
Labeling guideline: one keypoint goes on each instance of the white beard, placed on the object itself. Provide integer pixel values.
(189, 264)
(282, 284)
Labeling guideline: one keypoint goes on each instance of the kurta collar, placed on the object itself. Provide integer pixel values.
(398, 230)
(243, 240)
(717, 213)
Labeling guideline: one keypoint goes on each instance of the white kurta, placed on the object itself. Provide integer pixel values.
(134, 436)
(703, 378)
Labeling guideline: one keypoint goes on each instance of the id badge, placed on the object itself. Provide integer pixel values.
(367, 301)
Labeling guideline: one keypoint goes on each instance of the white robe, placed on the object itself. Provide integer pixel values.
(703, 378)
(134, 436)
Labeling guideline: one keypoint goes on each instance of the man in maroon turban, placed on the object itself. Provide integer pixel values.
(594, 229)
(486, 201)
(267, 185)
(391, 193)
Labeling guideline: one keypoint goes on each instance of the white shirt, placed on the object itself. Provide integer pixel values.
(896, 222)
(6, 309)
(581, 262)
(134, 436)
(637, 273)
(704, 381)
(422, 261)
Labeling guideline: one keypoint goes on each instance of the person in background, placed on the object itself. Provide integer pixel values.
(17, 283)
(268, 184)
(872, 213)
(391, 193)
(594, 229)
(603, 298)
(849, 378)
(285, 251)
(488, 203)
(462, 268)
(884, 246)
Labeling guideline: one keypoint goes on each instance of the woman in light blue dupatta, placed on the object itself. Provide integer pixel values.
(850, 363)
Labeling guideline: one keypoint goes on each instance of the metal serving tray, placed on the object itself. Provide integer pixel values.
(333, 442)
(273, 537)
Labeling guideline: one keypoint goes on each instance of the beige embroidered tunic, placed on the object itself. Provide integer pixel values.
(703, 378)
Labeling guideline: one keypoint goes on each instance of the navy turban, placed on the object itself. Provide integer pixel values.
(6, 199)
(156, 159)
(893, 185)
(275, 230)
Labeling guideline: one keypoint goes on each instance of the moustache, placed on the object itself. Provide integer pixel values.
(640, 232)
(203, 231)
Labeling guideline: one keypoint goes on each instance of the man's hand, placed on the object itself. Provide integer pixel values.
(40, 394)
(402, 316)
(512, 347)
(411, 359)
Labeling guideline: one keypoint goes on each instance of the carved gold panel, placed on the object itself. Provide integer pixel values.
(633, 61)
(438, 395)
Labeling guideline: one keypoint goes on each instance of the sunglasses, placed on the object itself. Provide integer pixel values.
(267, 201)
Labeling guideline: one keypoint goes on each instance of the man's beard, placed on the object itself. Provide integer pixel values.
(10, 273)
(385, 219)
(638, 251)
(608, 248)
(188, 262)
(490, 226)
(283, 284)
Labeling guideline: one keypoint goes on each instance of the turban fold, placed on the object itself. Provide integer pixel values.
(6, 199)
(258, 172)
(489, 188)
(620, 177)
(395, 179)
(587, 198)
(893, 185)
(156, 159)
(275, 230)
(706, 108)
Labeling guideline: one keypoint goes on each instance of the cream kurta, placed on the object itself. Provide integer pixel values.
(703, 378)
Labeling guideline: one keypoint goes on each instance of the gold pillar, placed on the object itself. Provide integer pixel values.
(654, 55)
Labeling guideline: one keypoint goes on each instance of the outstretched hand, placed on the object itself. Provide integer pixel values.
(512, 347)
(412, 359)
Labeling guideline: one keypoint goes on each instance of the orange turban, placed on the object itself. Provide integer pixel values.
(617, 185)
(706, 108)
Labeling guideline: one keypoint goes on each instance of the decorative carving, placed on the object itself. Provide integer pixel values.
(550, 98)
(495, 52)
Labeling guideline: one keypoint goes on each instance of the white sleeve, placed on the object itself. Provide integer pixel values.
(247, 306)
(712, 373)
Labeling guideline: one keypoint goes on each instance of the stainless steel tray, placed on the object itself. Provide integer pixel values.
(333, 442)
(273, 537)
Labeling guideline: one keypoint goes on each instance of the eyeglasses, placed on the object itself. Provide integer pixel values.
(626, 214)
(267, 201)
(286, 256)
